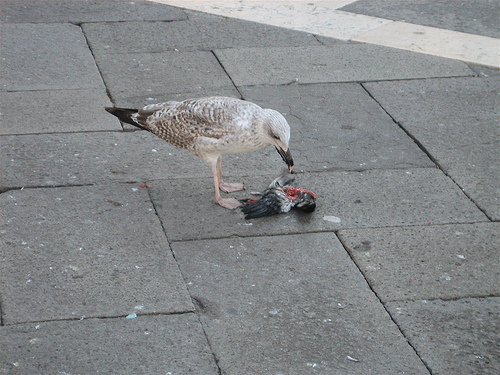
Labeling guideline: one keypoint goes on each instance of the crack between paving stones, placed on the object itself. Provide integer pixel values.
(358, 82)
(334, 230)
(80, 23)
(108, 93)
(344, 245)
(1, 312)
(69, 132)
(164, 229)
(412, 137)
(227, 73)
(427, 152)
(444, 299)
(79, 318)
(199, 307)
(194, 301)
(10, 188)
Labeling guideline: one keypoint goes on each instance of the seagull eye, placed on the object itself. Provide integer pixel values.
(275, 136)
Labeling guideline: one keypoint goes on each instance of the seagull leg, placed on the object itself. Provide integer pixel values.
(226, 187)
(229, 203)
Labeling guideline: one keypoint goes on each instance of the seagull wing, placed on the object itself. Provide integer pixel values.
(180, 123)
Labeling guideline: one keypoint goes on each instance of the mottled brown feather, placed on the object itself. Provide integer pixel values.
(180, 123)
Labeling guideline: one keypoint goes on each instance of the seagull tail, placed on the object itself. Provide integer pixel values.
(124, 115)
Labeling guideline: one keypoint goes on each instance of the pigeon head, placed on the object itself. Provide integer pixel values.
(278, 131)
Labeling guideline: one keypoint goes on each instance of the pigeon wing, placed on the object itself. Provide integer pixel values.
(273, 201)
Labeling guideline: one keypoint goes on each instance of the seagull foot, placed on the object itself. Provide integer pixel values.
(229, 203)
(228, 187)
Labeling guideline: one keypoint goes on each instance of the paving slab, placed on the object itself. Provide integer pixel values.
(199, 32)
(339, 127)
(452, 337)
(77, 11)
(428, 262)
(291, 305)
(159, 74)
(54, 111)
(343, 62)
(46, 57)
(476, 17)
(165, 344)
(368, 199)
(104, 157)
(457, 121)
(92, 251)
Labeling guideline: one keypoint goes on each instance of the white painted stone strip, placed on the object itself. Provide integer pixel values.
(470, 48)
(316, 17)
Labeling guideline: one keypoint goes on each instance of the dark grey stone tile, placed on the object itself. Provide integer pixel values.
(77, 11)
(428, 262)
(46, 57)
(160, 74)
(339, 127)
(199, 32)
(104, 157)
(55, 111)
(68, 253)
(338, 63)
(457, 121)
(161, 344)
(378, 198)
(452, 337)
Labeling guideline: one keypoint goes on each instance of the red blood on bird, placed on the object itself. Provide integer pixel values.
(293, 193)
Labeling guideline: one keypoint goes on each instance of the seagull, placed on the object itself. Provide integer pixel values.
(211, 127)
(279, 197)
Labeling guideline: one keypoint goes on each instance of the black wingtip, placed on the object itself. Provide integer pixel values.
(124, 114)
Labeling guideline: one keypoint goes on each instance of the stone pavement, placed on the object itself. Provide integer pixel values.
(396, 272)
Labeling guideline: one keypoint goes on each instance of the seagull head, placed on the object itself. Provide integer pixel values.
(278, 131)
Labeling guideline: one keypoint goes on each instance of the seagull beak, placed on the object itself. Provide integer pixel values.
(286, 156)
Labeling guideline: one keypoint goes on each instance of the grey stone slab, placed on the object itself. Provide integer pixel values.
(453, 337)
(103, 157)
(90, 251)
(199, 32)
(472, 17)
(428, 262)
(159, 74)
(291, 305)
(77, 11)
(339, 127)
(370, 199)
(458, 122)
(338, 63)
(172, 344)
(53, 111)
(46, 57)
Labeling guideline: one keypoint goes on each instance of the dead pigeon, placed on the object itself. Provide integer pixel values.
(279, 197)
